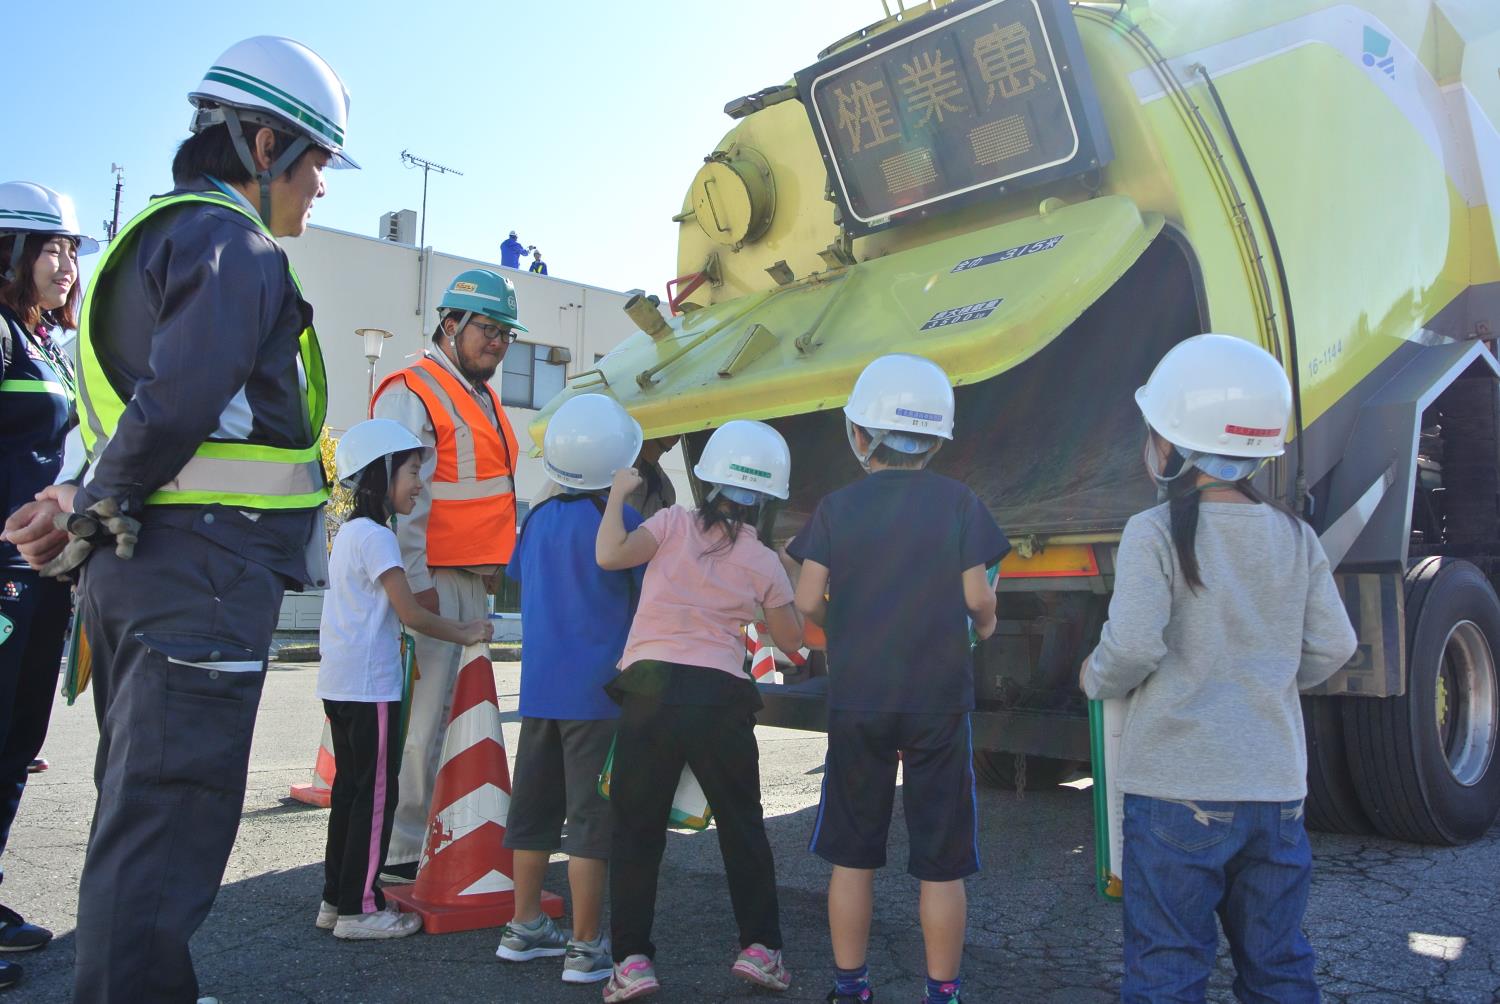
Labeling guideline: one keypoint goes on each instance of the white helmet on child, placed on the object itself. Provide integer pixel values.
(368, 442)
(589, 438)
(27, 208)
(1221, 401)
(903, 401)
(746, 461)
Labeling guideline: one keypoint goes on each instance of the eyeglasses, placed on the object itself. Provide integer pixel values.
(495, 332)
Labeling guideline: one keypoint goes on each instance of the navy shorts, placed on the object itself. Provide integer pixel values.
(859, 789)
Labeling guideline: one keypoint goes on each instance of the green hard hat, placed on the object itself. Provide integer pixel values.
(481, 291)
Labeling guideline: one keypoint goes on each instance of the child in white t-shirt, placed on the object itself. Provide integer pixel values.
(360, 678)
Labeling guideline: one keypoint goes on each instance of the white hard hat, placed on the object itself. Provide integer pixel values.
(897, 397)
(369, 441)
(902, 393)
(268, 75)
(589, 438)
(743, 456)
(1219, 395)
(28, 208)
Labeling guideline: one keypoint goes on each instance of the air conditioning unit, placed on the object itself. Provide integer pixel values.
(400, 227)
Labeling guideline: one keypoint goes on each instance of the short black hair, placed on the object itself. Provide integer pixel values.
(888, 457)
(371, 489)
(212, 152)
(895, 458)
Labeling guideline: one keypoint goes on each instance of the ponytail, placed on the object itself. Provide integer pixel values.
(1182, 505)
(729, 516)
(1183, 497)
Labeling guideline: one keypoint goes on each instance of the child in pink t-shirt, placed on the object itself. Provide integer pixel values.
(686, 699)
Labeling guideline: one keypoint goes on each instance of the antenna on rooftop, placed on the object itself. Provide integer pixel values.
(427, 166)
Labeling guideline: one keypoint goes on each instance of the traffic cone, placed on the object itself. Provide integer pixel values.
(763, 654)
(464, 878)
(320, 789)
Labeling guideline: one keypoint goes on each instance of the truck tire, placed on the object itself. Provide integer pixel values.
(1332, 802)
(1424, 764)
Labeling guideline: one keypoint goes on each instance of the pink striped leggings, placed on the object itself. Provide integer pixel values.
(366, 763)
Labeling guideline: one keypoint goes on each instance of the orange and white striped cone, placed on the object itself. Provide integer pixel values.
(464, 881)
(319, 790)
(763, 654)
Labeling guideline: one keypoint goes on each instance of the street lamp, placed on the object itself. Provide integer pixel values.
(374, 345)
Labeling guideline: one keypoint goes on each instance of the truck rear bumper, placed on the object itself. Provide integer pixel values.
(1035, 733)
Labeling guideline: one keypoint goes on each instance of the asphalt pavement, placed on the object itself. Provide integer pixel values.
(1391, 922)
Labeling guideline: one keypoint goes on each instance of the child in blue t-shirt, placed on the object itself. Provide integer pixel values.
(900, 556)
(574, 621)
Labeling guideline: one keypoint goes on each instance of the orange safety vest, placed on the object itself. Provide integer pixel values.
(473, 519)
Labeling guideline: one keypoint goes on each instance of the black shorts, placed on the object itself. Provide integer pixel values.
(558, 763)
(937, 792)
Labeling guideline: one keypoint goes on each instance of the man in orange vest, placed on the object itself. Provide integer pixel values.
(463, 528)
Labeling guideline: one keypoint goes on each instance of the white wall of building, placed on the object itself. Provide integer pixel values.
(355, 282)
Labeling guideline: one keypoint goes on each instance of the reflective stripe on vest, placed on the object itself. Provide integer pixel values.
(241, 474)
(33, 387)
(473, 516)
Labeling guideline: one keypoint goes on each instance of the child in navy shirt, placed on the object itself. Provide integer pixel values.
(900, 556)
(574, 620)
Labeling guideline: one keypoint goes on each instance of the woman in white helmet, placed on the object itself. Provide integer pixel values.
(39, 247)
(360, 678)
(1224, 607)
(685, 697)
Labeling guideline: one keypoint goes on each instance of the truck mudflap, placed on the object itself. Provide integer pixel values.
(1032, 732)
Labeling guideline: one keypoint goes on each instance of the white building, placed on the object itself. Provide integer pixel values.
(356, 282)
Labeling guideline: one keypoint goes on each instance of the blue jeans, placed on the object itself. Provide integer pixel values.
(1247, 862)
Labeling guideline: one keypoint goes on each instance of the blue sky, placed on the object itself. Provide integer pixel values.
(578, 124)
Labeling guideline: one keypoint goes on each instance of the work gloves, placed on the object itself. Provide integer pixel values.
(102, 523)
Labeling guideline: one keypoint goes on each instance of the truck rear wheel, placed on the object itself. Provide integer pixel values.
(1424, 763)
(1332, 801)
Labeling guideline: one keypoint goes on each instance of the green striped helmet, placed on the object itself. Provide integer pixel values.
(274, 76)
(28, 208)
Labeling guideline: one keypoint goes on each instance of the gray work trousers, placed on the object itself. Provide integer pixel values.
(461, 596)
(179, 635)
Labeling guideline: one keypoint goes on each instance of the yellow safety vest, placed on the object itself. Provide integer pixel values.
(227, 472)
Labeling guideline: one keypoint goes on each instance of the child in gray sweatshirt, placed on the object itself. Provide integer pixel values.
(1224, 607)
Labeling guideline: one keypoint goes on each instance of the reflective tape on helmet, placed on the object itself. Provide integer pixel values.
(289, 105)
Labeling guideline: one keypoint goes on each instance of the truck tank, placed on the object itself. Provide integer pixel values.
(1043, 197)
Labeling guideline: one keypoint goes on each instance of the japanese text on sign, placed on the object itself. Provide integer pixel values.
(958, 315)
(973, 101)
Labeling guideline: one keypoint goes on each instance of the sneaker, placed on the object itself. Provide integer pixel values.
(587, 961)
(865, 996)
(37, 766)
(328, 915)
(386, 923)
(10, 974)
(633, 978)
(520, 943)
(18, 936)
(762, 966)
(399, 874)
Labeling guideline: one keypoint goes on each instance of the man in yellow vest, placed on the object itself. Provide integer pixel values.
(203, 394)
(463, 529)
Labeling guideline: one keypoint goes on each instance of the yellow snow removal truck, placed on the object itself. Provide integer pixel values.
(1043, 197)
